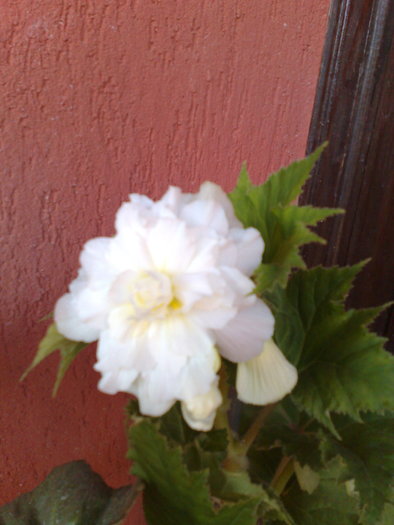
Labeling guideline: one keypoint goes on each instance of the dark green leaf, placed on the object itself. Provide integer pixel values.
(329, 504)
(236, 485)
(368, 451)
(173, 494)
(387, 517)
(51, 342)
(72, 494)
(342, 366)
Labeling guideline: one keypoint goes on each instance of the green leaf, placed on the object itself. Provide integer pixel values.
(308, 479)
(284, 228)
(235, 485)
(368, 451)
(72, 494)
(51, 342)
(387, 517)
(329, 504)
(283, 250)
(342, 366)
(293, 441)
(175, 495)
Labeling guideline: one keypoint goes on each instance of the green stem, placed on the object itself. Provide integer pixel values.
(282, 475)
(221, 420)
(254, 429)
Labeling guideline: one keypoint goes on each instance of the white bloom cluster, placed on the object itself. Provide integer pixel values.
(165, 297)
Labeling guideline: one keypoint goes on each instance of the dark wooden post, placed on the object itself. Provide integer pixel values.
(354, 111)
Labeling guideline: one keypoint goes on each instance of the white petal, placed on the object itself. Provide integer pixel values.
(207, 297)
(94, 261)
(238, 282)
(128, 251)
(205, 213)
(266, 378)
(211, 191)
(244, 336)
(171, 246)
(191, 287)
(154, 397)
(199, 412)
(174, 200)
(70, 324)
(115, 355)
(119, 381)
(250, 248)
(134, 215)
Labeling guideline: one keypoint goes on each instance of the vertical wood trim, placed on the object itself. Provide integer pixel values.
(354, 111)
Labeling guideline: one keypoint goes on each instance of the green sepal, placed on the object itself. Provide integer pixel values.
(52, 341)
(72, 494)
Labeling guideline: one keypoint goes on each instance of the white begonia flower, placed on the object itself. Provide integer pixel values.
(164, 295)
(266, 378)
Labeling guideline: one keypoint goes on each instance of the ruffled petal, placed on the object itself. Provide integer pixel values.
(244, 336)
(171, 246)
(267, 378)
(174, 200)
(213, 192)
(250, 247)
(71, 325)
(94, 261)
(199, 412)
(205, 213)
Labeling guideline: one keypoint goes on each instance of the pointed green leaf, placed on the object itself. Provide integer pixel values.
(284, 228)
(51, 342)
(368, 451)
(173, 494)
(282, 252)
(72, 494)
(342, 366)
(329, 504)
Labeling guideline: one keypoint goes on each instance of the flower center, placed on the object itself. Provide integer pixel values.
(151, 295)
(150, 291)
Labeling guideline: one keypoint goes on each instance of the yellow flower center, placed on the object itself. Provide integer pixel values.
(152, 295)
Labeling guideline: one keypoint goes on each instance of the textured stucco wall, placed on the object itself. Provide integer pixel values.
(98, 99)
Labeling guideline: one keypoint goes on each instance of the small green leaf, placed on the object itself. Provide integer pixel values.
(342, 366)
(329, 504)
(236, 485)
(284, 228)
(173, 494)
(368, 451)
(307, 478)
(72, 494)
(51, 342)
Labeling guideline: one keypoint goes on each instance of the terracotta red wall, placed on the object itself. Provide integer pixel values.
(98, 99)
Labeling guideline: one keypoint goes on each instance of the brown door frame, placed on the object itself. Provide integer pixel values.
(354, 111)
